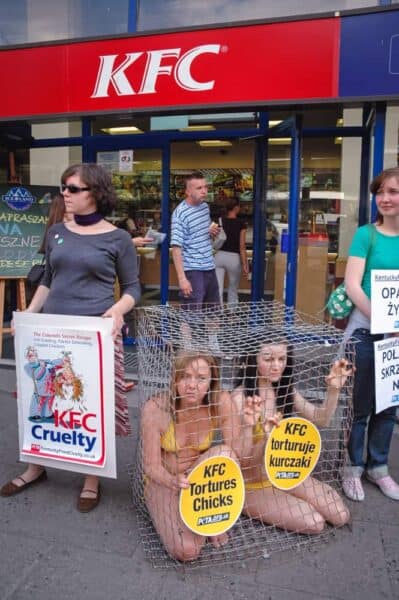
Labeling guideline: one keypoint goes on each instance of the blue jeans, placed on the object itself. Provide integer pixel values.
(205, 290)
(378, 427)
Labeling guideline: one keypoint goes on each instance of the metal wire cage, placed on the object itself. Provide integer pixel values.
(230, 340)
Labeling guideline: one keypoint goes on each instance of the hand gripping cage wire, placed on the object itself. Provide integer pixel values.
(234, 338)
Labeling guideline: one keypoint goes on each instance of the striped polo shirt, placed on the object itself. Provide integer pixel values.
(190, 231)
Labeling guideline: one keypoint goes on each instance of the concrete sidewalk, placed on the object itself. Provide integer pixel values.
(49, 550)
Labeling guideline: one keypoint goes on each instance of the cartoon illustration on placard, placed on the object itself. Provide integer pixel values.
(69, 388)
(42, 373)
(55, 386)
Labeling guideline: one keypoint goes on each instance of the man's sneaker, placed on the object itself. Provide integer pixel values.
(353, 488)
(387, 485)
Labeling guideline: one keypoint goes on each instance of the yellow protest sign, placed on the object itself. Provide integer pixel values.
(214, 500)
(291, 452)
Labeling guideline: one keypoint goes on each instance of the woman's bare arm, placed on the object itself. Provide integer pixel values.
(38, 299)
(152, 424)
(243, 251)
(321, 415)
(353, 284)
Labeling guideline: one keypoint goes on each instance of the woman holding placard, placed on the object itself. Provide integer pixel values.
(84, 255)
(267, 395)
(381, 252)
(178, 430)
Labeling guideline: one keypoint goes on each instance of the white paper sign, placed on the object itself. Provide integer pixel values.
(126, 161)
(386, 373)
(65, 383)
(384, 301)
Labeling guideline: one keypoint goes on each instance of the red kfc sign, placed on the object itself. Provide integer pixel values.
(215, 67)
(156, 65)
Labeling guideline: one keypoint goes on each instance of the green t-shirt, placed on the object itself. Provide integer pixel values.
(380, 251)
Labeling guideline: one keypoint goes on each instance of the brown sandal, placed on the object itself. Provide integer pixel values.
(11, 489)
(87, 504)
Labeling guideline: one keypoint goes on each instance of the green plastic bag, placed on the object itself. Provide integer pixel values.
(339, 305)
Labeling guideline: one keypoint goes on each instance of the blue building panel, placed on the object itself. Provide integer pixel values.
(369, 55)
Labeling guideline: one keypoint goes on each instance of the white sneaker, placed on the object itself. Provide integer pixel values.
(387, 485)
(352, 487)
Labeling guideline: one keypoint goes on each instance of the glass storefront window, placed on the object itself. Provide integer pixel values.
(46, 165)
(137, 177)
(229, 172)
(137, 124)
(329, 202)
(161, 14)
(391, 150)
(59, 129)
(278, 177)
(45, 20)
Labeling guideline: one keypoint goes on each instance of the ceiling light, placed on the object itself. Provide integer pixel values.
(214, 143)
(280, 141)
(274, 123)
(125, 129)
(338, 140)
(198, 128)
(222, 117)
(340, 122)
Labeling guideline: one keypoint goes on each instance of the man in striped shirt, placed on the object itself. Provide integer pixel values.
(191, 236)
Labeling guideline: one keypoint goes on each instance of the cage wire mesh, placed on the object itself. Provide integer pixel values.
(197, 370)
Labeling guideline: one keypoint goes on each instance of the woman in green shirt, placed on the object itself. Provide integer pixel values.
(373, 247)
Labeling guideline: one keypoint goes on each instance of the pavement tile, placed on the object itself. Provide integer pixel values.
(350, 566)
(390, 537)
(71, 572)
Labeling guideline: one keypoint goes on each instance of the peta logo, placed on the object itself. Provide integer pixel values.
(169, 62)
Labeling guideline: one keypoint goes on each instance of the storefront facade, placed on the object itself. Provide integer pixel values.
(292, 116)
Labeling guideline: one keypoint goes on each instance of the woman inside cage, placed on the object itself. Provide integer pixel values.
(84, 255)
(268, 394)
(178, 430)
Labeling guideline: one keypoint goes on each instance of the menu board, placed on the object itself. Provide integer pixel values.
(23, 217)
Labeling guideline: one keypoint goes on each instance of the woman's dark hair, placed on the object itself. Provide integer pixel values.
(230, 203)
(55, 215)
(379, 181)
(284, 388)
(99, 181)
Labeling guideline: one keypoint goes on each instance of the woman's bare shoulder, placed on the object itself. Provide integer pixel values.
(157, 407)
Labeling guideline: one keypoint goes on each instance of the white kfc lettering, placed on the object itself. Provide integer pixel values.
(181, 71)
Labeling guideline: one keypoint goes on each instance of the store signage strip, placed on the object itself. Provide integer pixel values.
(255, 63)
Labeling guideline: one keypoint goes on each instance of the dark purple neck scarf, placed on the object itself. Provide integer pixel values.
(90, 219)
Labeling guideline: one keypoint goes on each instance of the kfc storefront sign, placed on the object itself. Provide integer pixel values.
(215, 67)
(156, 65)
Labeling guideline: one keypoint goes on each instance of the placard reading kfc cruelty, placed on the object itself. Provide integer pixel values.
(65, 383)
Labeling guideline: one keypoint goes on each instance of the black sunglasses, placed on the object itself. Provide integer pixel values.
(73, 189)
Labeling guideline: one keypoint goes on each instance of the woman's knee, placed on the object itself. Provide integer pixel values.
(221, 450)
